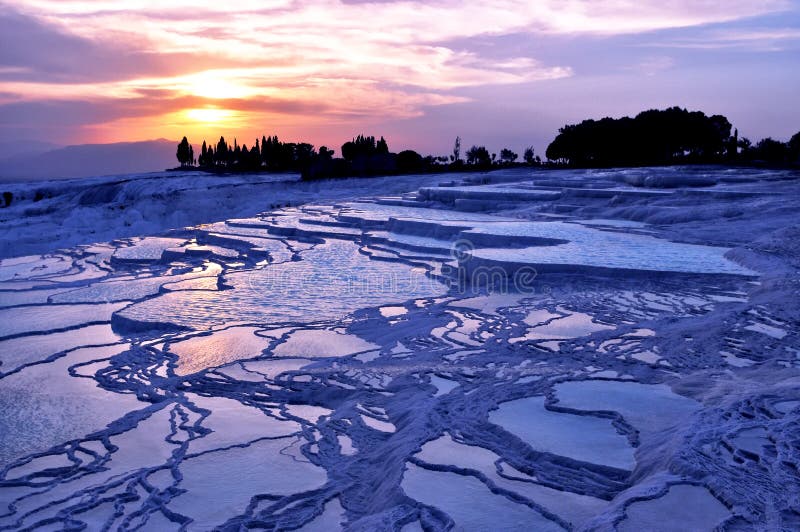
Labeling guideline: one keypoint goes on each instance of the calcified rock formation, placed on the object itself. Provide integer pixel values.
(547, 351)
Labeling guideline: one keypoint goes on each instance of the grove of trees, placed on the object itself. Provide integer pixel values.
(268, 154)
(663, 137)
(651, 138)
(362, 156)
(769, 151)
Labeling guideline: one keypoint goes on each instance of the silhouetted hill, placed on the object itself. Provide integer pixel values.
(25, 147)
(90, 160)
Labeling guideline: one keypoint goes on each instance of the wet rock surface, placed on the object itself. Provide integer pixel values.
(573, 353)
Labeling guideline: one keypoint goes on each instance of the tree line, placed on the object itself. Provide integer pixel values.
(268, 154)
(769, 151)
(651, 138)
(664, 137)
(360, 157)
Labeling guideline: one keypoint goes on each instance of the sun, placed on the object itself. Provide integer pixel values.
(209, 115)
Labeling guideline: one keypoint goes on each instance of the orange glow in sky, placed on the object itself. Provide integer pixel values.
(74, 71)
(208, 115)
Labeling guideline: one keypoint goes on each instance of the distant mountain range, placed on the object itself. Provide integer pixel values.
(38, 161)
(25, 147)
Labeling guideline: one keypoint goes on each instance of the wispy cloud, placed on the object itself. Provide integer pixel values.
(361, 59)
(753, 39)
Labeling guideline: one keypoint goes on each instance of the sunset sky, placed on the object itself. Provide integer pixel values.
(504, 73)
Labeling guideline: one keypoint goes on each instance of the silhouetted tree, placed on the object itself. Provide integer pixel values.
(360, 146)
(235, 154)
(264, 151)
(221, 153)
(303, 153)
(254, 159)
(508, 156)
(409, 161)
(732, 150)
(456, 157)
(203, 154)
(382, 148)
(794, 148)
(479, 156)
(184, 153)
(529, 155)
(287, 155)
(744, 145)
(770, 150)
(270, 152)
